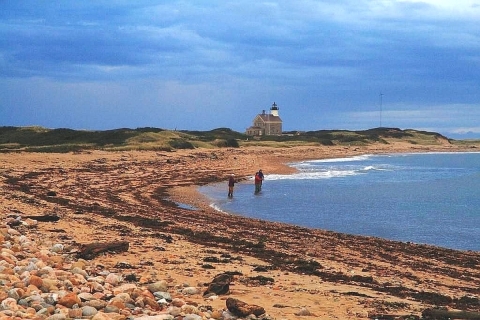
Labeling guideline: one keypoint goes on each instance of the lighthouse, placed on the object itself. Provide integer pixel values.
(274, 110)
(266, 123)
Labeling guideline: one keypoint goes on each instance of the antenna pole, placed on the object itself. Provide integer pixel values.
(381, 105)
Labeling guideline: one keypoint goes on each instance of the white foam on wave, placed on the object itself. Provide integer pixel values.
(310, 171)
(331, 168)
(313, 175)
(216, 207)
(309, 164)
(379, 168)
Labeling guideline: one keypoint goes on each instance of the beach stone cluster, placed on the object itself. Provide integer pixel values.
(40, 282)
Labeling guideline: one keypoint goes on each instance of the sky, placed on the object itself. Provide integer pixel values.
(206, 64)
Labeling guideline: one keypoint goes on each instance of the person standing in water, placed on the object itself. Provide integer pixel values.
(231, 184)
(258, 182)
(260, 174)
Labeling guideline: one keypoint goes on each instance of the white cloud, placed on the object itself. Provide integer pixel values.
(465, 7)
(465, 130)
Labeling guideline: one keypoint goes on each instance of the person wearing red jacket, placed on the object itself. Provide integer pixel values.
(258, 182)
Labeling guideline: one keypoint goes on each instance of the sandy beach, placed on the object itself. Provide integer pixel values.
(292, 272)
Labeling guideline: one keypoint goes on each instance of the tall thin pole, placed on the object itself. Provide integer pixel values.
(381, 105)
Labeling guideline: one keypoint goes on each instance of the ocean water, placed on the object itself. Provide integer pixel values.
(431, 198)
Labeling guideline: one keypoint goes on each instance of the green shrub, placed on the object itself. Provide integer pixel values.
(232, 143)
(181, 144)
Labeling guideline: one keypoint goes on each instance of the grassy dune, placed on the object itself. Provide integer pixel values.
(39, 139)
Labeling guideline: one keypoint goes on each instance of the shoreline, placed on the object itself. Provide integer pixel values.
(215, 203)
(191, 196)
(105, 196)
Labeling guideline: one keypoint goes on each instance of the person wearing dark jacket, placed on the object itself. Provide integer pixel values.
(231, 184)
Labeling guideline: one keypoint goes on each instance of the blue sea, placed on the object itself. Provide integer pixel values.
(430, 198)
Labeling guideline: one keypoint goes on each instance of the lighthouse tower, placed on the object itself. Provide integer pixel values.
(274, 110)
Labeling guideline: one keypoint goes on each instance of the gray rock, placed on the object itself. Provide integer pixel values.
(58, 247)
(130, 306)
(12, 293)
(88, 311)
(162, 295)
(51, 298)
(23, 302)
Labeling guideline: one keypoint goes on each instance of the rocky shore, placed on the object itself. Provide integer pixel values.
(47, 282)
(192, 262)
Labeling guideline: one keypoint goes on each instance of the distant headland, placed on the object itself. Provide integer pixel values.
(40, 139)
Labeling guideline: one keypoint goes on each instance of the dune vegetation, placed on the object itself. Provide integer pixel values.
(39, 139)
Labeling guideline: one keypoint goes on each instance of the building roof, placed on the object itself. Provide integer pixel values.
(269, 117)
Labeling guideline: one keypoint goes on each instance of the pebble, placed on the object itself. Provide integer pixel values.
(190, 291)
(303, 312)
(58, 247)
(111, 309)
(113, 279)
(158, 286)
(163, 295)
(47, 283)
(88, 311)
(177, 302)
